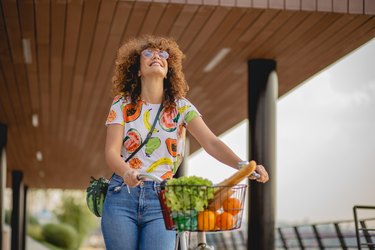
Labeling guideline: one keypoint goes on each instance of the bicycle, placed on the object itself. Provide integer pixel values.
(224, 201)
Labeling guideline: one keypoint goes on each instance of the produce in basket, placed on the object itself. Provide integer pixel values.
(188, 193)
(225, 221)
(232, 205)
(206, 220)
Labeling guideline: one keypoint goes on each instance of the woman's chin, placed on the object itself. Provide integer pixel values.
(155, 74)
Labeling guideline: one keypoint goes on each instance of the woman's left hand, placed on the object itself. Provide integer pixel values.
(263, 174)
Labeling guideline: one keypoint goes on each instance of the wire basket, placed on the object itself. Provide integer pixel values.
(202, 208)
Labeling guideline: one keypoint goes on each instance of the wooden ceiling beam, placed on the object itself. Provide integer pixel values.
(182, 21)
(58, 32)
(195, 25)
(198, 56)
(106, 30)
(102, 108)
(171, 12)
(345, 43)
(14, 75)
(153, 17)
(343, 29)
(209, 28)
(74, 44)
(228, 42)
(73, 27)
(90, 19)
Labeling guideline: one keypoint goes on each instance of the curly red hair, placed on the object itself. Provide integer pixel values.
(126, 81)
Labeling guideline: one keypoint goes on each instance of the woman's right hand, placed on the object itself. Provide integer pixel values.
(130, 177)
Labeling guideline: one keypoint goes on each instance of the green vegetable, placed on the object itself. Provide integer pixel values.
(188, 193)
(186, 220)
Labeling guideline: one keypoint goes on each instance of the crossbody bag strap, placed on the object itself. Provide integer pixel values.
(148, 135)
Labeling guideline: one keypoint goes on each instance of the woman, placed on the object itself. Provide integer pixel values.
(148, 73)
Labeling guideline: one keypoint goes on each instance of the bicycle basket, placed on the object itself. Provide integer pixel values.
(222, 211)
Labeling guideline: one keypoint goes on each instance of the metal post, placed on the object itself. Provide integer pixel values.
(356, 227)
(17, 210)
(368, 236)
(263, 94)
(282, 238)
(299, 239)
(317, 236)
(3, 139)
(340, 236)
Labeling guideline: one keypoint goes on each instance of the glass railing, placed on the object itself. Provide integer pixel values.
(351, 234)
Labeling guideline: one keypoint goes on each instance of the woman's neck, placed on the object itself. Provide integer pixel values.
(152, 90)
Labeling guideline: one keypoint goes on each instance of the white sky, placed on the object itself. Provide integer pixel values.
(325, 143)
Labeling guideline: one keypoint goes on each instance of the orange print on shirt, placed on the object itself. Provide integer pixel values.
(167, 175)
(135, 163)
(111, 116)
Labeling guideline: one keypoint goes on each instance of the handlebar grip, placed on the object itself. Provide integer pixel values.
(255, 174)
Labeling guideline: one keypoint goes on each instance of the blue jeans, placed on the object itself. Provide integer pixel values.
(134, 220)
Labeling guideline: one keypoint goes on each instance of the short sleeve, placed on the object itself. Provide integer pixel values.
(115, 115)
(189, 112)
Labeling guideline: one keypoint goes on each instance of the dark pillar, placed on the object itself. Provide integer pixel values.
(262, 120)
(17, 211)
(3, 139)
(25, 218)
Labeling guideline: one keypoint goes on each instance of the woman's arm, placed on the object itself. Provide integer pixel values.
(213, 145)
(218, 149)
(113, 144)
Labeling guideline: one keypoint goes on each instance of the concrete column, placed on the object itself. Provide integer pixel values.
(263, 94)
(3, 171)
(18, 211)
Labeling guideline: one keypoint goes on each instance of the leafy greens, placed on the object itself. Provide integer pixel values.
(188, 193)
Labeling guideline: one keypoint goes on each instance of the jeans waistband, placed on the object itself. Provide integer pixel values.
(154, 185)
(143, 184)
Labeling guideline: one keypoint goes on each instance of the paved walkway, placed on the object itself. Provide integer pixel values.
(32, 244)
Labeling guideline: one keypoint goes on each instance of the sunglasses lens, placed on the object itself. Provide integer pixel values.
(164, 54)
(149, 54)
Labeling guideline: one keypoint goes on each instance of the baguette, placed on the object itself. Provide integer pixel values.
(224, 189)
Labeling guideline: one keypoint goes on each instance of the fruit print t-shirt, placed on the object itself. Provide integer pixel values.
(164, 151)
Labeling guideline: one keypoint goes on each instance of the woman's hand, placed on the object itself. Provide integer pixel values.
(130, 177)
(263, 174)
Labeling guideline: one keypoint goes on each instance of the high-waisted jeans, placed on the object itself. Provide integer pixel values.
(134, 220)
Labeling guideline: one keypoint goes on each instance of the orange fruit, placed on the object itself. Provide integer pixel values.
(232, 206)
(206, 220)
(225, 221)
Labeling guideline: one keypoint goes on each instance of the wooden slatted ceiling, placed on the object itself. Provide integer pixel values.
(73, 45)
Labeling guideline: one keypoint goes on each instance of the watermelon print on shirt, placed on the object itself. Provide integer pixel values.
(164, 151)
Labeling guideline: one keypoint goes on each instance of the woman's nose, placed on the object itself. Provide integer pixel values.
(155, 55)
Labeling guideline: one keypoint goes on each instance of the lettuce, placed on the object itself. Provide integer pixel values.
(188, 193)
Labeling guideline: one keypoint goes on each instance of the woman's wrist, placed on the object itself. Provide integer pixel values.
(241, 164)
(125, 171)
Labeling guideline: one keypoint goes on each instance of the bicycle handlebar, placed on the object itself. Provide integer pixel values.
(160, 180)
(256, 175)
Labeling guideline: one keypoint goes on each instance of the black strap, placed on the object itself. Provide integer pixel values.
(148, 135)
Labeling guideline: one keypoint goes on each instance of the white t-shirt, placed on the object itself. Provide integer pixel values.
(164, 151)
